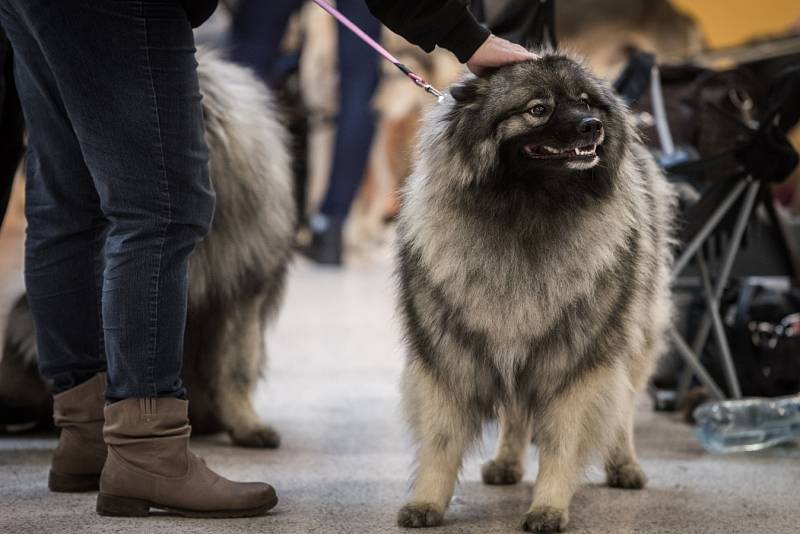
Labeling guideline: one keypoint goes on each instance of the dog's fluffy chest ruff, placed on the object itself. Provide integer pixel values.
(485, 291)
(512, 287)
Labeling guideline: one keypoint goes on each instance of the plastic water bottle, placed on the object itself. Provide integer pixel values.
(747, 424)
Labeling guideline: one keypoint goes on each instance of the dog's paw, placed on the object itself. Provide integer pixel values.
(501, 473)
(419, 514)
(262, 437)
(545, 519)
(626, 476)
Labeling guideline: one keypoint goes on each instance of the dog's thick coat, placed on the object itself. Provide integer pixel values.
(532, 289)
(236, 275)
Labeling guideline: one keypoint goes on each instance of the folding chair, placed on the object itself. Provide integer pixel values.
(727, 207)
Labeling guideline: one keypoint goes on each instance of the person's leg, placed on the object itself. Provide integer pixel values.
(256, 34)
(355, 127)
(126, 74)
(63, 267)
(64, 237)
(11, 127)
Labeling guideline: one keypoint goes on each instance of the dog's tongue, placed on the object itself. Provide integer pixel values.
(540, 150)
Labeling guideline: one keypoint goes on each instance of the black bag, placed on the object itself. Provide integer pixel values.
(763, 328)
(726, 117)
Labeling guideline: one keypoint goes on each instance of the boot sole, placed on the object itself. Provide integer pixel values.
(112, 506)
(72, 483)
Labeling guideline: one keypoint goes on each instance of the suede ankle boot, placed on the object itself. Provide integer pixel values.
(149, 465)
(81, 451)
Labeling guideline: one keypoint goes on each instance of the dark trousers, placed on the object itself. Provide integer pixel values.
(11, 127)
(118, 192)
(257, 31)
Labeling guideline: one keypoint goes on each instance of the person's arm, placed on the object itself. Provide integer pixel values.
(449, 24)
(428, 23)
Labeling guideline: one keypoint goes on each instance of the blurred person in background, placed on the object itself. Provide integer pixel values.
(258, 28)
(257, 31)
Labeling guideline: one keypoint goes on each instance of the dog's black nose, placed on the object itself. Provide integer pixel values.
(589, 125)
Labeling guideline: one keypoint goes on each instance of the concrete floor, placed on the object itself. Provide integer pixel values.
(345, 461)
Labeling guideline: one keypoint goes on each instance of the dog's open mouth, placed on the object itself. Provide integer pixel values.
(549, 152)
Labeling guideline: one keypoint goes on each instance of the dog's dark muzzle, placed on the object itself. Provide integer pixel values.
(590, 126)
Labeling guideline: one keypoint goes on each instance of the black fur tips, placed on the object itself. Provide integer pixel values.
(496, 473)
(626, 476)
(418, 515)
(545, 519)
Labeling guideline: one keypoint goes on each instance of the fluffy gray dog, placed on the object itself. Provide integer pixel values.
(236, 275)
(534, 256)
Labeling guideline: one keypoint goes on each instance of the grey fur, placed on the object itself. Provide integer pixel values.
(237, 273)
(534, 293)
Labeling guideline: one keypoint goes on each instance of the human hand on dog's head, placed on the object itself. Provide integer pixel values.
(496, 52)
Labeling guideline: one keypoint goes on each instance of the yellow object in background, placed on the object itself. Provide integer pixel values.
(731, 22)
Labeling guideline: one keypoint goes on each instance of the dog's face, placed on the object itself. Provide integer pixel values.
(544, 120)
(559, 128)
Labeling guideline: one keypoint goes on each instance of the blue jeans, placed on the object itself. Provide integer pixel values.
(257, 31)
(118, 192)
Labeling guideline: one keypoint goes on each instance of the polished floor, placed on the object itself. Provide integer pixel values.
(344, 465)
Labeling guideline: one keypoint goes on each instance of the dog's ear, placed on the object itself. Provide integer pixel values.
(461, 92)
(467, 91)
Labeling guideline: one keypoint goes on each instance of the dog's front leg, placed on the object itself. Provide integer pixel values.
(579, 420)
(560, 468)
(444, 429)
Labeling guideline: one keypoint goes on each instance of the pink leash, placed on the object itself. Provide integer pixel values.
(381, 50)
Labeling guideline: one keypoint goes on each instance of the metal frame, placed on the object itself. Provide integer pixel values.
(746, 189)
(712, 321)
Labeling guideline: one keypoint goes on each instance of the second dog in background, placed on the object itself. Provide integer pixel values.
(236, 275)
(534, 255)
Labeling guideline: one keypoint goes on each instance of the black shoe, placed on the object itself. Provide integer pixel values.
(326, 241)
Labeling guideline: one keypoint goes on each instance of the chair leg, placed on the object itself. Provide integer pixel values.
(719, 287)
(716, 216)
(694, 362)
(712, 307)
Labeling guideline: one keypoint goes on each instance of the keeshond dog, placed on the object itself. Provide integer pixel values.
(236, 275)
(534, 258)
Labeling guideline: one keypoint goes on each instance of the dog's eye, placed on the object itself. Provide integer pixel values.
(585, 100)
(538, 110)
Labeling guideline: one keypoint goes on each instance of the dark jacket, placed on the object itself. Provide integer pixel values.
(524, 22)
(200, 10)
(428, 23)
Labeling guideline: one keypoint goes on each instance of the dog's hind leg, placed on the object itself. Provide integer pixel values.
(508, 464)
(241, 366)
(579, 420)
(444, 429)
(622, 469)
